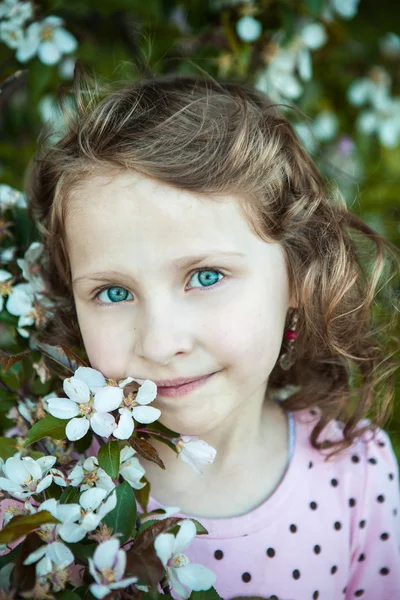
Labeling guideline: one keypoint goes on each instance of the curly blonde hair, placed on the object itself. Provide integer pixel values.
(215, 138)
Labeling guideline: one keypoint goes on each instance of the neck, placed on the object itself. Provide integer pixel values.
(249, 443)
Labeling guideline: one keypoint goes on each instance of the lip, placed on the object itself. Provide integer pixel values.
(183, 389)
(164, 383)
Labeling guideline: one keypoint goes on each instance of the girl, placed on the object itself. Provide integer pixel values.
(188, 235)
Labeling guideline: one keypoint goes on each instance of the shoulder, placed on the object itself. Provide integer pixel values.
(365, 476)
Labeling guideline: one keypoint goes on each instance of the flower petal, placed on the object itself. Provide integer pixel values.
(43, 567)
(108, 505)
(64, 40)
(19, 302)
(99, 591)
(15, 469)
(36, 555)
(108, 398)
(62, 408)
(76, 389)
(72, 533)
(164, 545)
(124, 583)
(46, 462)
(196, 577)
(125, 426)
(60, 555)
(146, 414)
(91, 499)
(147, 392)
(105, 555)
(103, 424)
(48, 52)
(77, 428)
(185, 535)
(176, 584)
(120, 565)
(45, 483)
(91, 377)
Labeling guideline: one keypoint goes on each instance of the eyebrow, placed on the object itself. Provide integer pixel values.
(178, 264)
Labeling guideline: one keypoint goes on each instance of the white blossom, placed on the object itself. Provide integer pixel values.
(48, 39)
(192, 451)
(11, 34)
(88, 470)
(279, 79)
(17, 12)
(93, 510)
(54, 552)
(248, 28)
(107, 568)
(382, 117)
(20, 304)
(10, 197)
(26, 476)
(83, 407)
(136, 408)
(29, 266)
(5, 286)
(130, 468)
(183, 575)
(8, 254)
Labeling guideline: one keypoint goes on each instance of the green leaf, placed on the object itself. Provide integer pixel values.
(84, 443)
(109, 458)
(122, 519)
(7, 447)
(70, 495)
(68, 595)
(84, 593)
(83, 551)
(315, 7)
(200, 529)
(47, 427)
(23, 524)
(211, 594)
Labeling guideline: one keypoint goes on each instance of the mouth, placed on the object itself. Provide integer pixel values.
(174, 391)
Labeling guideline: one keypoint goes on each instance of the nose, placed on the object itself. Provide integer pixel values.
(162, 331)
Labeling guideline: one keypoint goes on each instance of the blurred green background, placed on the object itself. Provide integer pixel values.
(336, 61)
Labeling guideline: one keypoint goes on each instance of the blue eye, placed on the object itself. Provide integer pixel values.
(115, 294)
(208, 277)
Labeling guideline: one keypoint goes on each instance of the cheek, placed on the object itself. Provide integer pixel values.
(249, 332)
(104, 342)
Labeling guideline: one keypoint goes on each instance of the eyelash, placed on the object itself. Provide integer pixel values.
(107, 287)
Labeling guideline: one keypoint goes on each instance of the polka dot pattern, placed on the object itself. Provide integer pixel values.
(331, 519)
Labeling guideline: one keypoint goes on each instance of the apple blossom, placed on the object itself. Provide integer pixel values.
(136, 408)
(85, 408)
(5, 286)
(130, 468)
(53, 552)
(192, 450)
(92, 511)
(26, 476)
(89, 472)
(181, 572)
(107, 568)
(48, 39)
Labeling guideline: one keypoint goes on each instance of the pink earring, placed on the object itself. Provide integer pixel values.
(288, 358)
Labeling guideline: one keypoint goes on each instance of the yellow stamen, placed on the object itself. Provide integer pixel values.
(5, 287)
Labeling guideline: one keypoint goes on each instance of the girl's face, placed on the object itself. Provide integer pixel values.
(148, 309)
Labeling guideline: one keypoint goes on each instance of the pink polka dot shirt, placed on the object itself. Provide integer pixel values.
(329, 531)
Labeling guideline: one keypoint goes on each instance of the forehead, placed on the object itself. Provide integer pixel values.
(128, 212)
